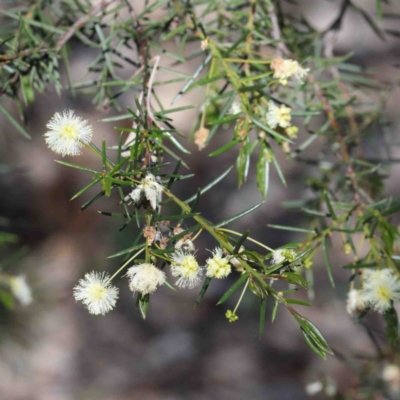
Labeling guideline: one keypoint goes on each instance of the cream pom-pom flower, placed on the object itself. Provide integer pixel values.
(285, 69)
(185, 266)
(68, 133)
(381, 288)
(145, 278)
(218, 266)
(278, 116)
(355, 301)
(150, 188)
(96, 293)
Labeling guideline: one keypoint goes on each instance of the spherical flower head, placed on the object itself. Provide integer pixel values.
(285, 69)
(231, 316)
(150, 188)
(185, 266)
(355, 301)
(21, 290)
(96, 293)
(278, 116)
(68, 133)
(145, 278)
(282, 255)
(381, 288)
(218, 266)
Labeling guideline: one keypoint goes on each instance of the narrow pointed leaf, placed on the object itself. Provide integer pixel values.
(210, 185)
(232, 289)
(203, 290)
(239, 215)
(327, 262)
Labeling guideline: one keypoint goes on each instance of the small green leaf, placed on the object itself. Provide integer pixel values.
(294, 279)
(291, 228)
(329, 205)
(225, 147)
(240, 242)
(263, 170)
(237, 216)
(274, 310)
(210, 185)
(143, 302)
(232, 289)
(128, 250)
(392, 326)
(67, 164)
(203, 290)
(299, 302)
(95, 182)
(16, 125)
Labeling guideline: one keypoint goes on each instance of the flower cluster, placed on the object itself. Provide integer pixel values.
(286, 69)
(99, 296)
(380, 288)
(280, 117)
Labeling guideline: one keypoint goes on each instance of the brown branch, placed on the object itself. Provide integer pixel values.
(81, 22)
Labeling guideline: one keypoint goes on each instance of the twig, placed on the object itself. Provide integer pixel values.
(81, 22)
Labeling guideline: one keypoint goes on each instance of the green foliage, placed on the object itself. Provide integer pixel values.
(238, 48)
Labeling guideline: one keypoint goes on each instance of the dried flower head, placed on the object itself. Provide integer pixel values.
(185, 244)
(285, 69)
(185, 266)
(218, 266)
(150, 233)
(278, 116)
(200, 137)
(96, 293)
(355, 301)
(381, 288)
(145, 278)
(21, 290)
(150, 188)
(68, 133)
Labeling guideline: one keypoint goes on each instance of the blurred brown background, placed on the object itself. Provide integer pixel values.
(55, 350)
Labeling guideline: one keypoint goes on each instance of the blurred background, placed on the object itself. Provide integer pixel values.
(55, 350)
